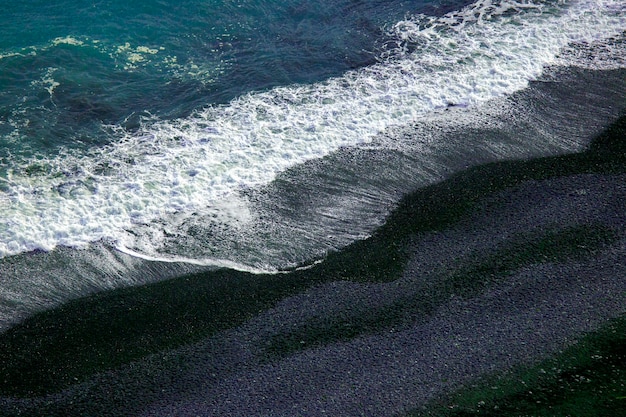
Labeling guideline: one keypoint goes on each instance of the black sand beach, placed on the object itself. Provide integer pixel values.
(491, 275)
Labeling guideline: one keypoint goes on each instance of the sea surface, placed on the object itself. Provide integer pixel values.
(141, 140)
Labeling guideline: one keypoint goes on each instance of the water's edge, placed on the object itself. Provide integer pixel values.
(321, 206)
(55, 349)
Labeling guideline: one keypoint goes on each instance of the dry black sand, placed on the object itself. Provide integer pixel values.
(476, 279)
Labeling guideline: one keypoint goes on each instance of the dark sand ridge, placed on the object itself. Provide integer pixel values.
(516, 260)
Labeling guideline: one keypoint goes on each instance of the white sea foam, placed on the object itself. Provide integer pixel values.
(4, 55)
(135, 192)
(68, 40)
(47, 81)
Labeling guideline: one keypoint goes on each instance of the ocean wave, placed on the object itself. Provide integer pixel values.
(142, 192)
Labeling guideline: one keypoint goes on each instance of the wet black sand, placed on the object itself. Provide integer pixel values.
(481, 276)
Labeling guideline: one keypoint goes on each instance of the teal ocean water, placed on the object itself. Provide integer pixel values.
(261, 135)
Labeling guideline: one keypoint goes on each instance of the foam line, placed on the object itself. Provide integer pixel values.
(220, 263)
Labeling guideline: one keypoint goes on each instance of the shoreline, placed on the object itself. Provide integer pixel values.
(558, 115)
(354, 298)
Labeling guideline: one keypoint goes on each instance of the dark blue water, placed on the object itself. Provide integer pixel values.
(260, 135)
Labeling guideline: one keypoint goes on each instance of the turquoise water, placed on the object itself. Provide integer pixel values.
(261, 135)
